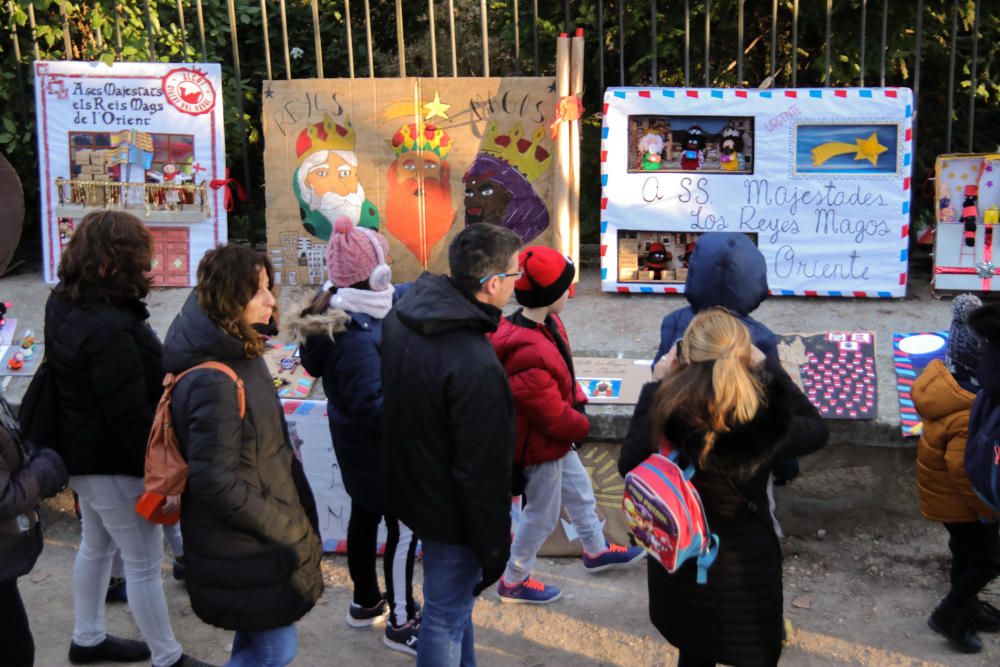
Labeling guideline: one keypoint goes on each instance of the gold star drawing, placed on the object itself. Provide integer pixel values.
(869, 149)
(437, 108)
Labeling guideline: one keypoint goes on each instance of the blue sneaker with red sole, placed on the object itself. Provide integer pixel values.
(529, 591)
(614, 556)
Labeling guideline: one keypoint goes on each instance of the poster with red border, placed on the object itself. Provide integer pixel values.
(142, 137)
(819, 179)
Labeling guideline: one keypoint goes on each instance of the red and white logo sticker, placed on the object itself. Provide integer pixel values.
(189, 91)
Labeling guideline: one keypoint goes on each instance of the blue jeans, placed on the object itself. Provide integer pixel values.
(451, 571)
(267, 648)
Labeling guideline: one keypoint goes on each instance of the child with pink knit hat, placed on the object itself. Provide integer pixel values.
(341, 337)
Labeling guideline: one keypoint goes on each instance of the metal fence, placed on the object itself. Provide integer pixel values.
(682, 43)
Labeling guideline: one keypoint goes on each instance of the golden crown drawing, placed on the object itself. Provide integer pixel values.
(526, 155)
(420, 137)
(328, 134)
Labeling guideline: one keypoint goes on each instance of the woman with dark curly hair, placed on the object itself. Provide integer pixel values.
(107, 370)
(251, 539)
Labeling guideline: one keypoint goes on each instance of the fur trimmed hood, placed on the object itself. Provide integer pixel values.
(741, 452)
(328, 323)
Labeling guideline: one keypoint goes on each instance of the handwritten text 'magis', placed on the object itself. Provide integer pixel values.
(774, 212)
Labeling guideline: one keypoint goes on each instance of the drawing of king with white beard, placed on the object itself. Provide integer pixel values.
(326, 181)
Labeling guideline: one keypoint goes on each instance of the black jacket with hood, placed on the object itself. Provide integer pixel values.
(248, 517)
(736, 617)
(107, 370)
(448, 420)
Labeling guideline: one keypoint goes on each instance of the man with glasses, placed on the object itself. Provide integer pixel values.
(449, 433)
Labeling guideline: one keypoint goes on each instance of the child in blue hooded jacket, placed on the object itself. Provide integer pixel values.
(341, 336)
(726, 269)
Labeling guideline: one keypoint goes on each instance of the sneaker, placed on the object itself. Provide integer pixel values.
(116, 590)
(614, 556)
(188, 661)
(112, 649)
(529, 591)
(180, 570)
(363, 617)
(402, 638)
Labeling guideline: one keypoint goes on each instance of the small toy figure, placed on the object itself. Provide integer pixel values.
(658, 259)
(651, 146)
(693, 154)
(991, 216)
(16, 361)
(28, 340)
(730, 149)
(945, 212)
(970, 213)
(170, 175)
(686, 257)
(3, 313)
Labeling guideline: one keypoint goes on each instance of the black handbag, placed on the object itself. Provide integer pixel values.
(38, 413)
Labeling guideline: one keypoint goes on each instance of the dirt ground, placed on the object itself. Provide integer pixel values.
(862, 573)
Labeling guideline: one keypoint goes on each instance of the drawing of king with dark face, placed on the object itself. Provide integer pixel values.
(498, 186)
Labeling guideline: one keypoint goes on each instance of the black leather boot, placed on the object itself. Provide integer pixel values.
(112, 649)
(956, 626)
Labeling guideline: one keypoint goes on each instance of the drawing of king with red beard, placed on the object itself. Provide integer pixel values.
(418, 208)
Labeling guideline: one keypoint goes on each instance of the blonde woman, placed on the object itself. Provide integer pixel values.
(730, 412)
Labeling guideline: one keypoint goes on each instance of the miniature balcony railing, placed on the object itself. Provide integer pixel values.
(155, 202)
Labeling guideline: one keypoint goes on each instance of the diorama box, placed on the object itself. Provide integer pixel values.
(967, 214)
(818, 178)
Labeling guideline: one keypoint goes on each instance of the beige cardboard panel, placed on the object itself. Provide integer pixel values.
(601, 461)
(413, 179)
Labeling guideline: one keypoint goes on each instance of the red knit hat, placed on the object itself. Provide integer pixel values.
(547, 274)
(350, 253)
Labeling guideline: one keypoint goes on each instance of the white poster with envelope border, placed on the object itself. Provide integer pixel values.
(818, 178)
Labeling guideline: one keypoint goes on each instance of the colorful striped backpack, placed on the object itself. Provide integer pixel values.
(665, 513)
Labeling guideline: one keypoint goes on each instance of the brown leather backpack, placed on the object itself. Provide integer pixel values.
(166, 470)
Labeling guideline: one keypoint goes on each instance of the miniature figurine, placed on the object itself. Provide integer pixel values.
(693, 154)
(991, 216)
(970, 213)
(28, 340)
(651, 146)
(730, 149)
(658, 259)
(170, 175)
(947, 213)
(16, 361)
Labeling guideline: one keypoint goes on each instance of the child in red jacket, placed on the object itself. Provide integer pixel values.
(534, 350)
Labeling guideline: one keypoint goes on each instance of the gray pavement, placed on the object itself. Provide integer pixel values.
(622, 325)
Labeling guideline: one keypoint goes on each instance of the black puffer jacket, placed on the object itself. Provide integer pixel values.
(247, 515)
(448, 420)
(736, 618)
(26, 477)
(106, 365)
(350, 364)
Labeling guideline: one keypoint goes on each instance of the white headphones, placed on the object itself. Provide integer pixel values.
(381, 276)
